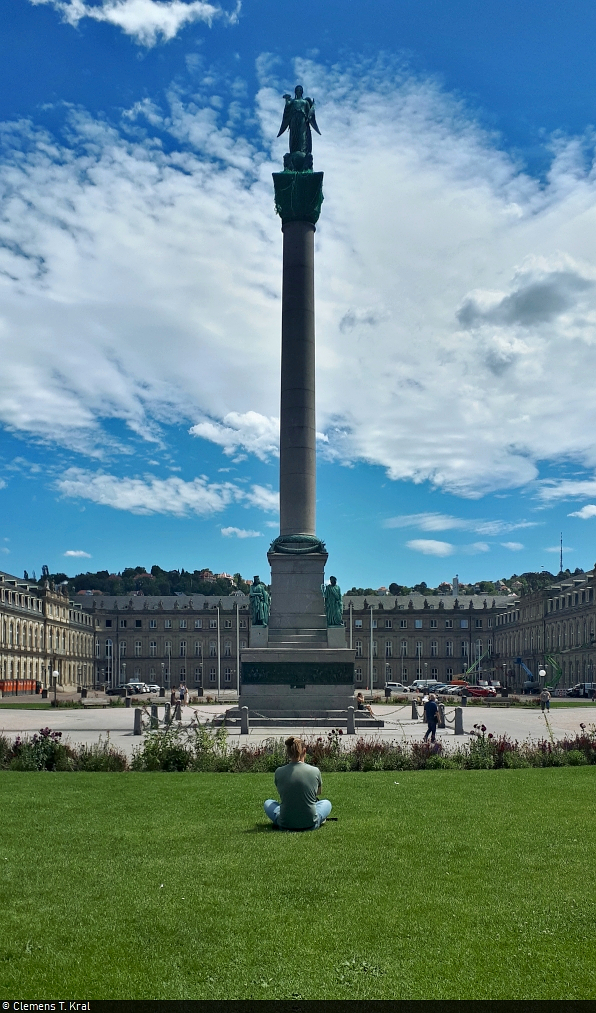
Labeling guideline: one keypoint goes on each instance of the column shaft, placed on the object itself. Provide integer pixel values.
(297, 465)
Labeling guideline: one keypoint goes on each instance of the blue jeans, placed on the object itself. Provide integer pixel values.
(272, 809)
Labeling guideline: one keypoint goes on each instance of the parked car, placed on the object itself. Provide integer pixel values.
(397, 688)
(136, 687)
(425, 684)
(449, 690)
(531, 686)
(481, 691)
(152, 687)
(582, 689)
(114, 690)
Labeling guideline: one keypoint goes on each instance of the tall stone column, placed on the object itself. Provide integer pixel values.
(297, 452)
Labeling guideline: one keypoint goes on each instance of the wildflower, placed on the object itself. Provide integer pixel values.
(483, 728)
(490, 735)
(581, 724)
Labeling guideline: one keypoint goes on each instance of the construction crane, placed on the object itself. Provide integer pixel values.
(477, 662)
(556, 668)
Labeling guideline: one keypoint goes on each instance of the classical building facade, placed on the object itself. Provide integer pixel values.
(198, 639)
(553, 629)
(41, 632)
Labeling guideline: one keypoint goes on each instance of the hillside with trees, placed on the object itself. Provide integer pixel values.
(137, 580)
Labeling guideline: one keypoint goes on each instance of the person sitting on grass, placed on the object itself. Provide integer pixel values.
(362, 706)
(298, 784)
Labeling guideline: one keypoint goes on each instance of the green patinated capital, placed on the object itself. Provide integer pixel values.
(298, 196)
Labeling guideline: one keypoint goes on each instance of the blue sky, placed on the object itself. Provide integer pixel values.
(140, 282)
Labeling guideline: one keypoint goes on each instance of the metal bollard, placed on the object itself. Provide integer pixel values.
(138, 730)
(178, 712)
(351, 722)
(464, 699)
(128, 701)
(154, 722)
(441, 715)
(459, 721)
(414, 711)
(244, 725)
(166, 714)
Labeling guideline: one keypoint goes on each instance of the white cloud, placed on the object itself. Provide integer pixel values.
(553, 490)
(5, 550)
(151, 495)
(147, 21)
(240, 533)
(430, 547)
(514, 546)
(476, 547)
(249, 431)
(446, 522)
(2, 484)
(475, 288)
(76, 553)
(557, 548)
(587, 511)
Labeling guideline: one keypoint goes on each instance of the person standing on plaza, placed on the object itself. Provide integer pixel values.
(544, 700)
(299, 785)
(431, 716)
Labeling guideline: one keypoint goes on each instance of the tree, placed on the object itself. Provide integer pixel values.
(398, 589)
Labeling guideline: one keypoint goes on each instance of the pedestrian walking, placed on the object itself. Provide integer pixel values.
(431, 716)
(544, 700)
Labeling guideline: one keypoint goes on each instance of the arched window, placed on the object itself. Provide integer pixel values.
(198, 649)
(11, 634)
(388, 649)
(123, 648)
(227, 649)
(153, 648)
(403, 649)
(183, 648)
(213, 649)
(138, 646)
(434, 648)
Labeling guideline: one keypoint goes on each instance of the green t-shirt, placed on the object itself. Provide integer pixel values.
(297, 784)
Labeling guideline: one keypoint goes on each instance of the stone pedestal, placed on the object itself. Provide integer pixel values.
(297, 605)
(296, 682)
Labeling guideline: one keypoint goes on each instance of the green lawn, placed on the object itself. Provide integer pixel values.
(463, 885)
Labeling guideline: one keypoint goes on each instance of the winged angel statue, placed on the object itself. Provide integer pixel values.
(299, 118)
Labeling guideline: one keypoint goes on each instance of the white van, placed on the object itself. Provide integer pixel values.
(420, 684)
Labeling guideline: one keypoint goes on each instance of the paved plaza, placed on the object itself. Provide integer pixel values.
(88, 725)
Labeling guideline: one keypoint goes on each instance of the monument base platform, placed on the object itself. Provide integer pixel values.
(328, 719)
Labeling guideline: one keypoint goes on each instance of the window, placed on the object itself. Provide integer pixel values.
(167, 649)
(388, 624)
(489, 623)
(374, 648)
(418, 624)
(182, 624)
(198, 650)
(152, 673)
(433, 624)
(198, 624)
(183, 648)
(213, 649)
(108, 623)
(374, 624)
(449, 673)
(449, 624)
(198, 674)
(434, 648)
(418, 648)
(182, 674)
(243, 645)
(243, 624)
(358, 623)
(228, 624)
(227, 649)
(358, 674)
(463, 624)
(167, 624)
(388, 649)
(464, 648)
(123, 648)
(449, 649)
(153, 649)
(138, 624)
(434, 672)
(123, 624)
(404, 649)
(227, 674)
(212, 675)
(387, 671)
(213, 624)
(404, 673)
(403, 624)
(358, 646)
(479, 624)
(153, 624)
(137, 648)
(137, 673)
